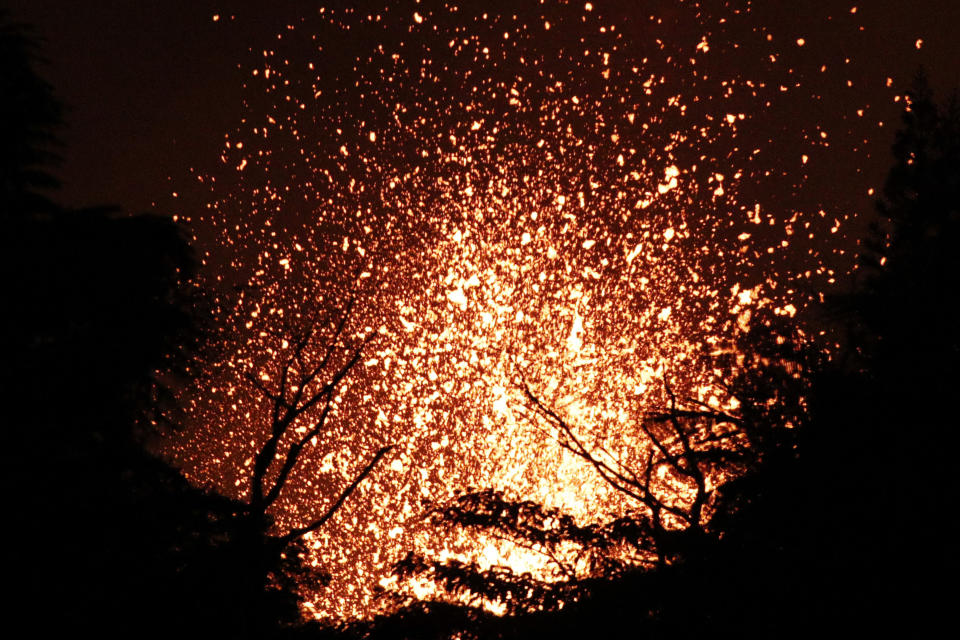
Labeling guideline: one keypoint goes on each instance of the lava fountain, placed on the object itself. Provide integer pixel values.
(589, 198)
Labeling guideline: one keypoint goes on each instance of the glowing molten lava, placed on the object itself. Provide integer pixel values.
(558, 195)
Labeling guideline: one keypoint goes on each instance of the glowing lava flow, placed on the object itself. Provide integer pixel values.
(567, 193)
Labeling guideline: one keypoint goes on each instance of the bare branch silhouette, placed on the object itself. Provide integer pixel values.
(319, 522)
(299, 390)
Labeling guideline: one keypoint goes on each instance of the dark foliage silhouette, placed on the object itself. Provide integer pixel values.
(110, 540)
(29, 118)
(899, 431)
(106, 539)
(301, 392)
(634, 574)
(840, 522)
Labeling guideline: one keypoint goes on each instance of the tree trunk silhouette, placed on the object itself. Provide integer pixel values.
(305, 387)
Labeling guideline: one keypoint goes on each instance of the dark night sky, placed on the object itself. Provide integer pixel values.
(152, 85)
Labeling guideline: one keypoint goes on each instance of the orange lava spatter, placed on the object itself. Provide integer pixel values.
(585, 198)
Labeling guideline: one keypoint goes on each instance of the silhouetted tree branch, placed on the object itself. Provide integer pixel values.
(691, 449)
(688, 449)
(298, 392)
(322, 520)
(300, 396)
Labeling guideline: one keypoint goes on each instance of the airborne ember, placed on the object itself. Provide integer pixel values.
(585, 200)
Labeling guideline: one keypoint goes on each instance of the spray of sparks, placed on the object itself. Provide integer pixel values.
(586, 198)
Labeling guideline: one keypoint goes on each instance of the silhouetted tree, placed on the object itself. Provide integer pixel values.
(840, 520)
(300, 394)
(905, 317)
(888, 412)
(845, 516)
(30, 116)
(111, 540)
(106, 540)
(692, 450)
